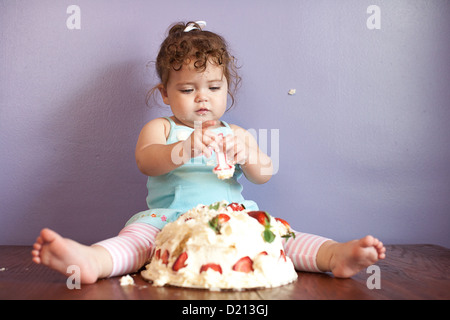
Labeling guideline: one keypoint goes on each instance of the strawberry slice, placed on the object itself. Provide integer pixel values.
(158, 254)
(236, 206)
(244, 264)
(216, 222)
(289, 233)
(286, 224)
(222, 217)
(264, 219)
(261, 216)
(179, 263)
(215, 267)
(282, 255)
(165, 257)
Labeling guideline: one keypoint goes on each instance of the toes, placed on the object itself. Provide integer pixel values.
(376, 242)
(367, 241)
(35, 253)
(382, 253)
(36, 259)
(37, 246)
(39, 240)
(370, 241)
(48, 235)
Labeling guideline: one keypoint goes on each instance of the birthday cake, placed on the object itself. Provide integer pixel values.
(222, 246)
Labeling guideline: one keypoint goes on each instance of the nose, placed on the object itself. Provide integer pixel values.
(201, 96)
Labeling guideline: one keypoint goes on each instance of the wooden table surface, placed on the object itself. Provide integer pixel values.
(408, 272)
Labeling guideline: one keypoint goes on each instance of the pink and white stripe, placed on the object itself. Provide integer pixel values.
(303, 250)
(132, 248)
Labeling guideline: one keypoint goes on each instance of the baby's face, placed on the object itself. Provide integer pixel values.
(196, 96)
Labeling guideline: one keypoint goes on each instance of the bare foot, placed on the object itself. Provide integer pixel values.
(56, 252)
(347, 259)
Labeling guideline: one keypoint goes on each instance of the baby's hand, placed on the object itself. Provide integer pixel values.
(202, 140)
(237, 147)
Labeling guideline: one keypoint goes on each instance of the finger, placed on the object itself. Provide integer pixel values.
(240, 157)
(206, 150)
(200, 138)
(228, 138)
(241, 152)
(231, 146)
(216, 141)
(210, 139)
(204, 145)
(208, 144)
(226, 142)
(208, 124)
(210, 134)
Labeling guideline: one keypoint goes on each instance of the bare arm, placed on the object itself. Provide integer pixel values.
(155, 158)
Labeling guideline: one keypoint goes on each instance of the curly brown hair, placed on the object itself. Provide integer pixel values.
(180, 48)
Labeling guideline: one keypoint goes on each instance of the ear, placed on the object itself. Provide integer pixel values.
(164, 95)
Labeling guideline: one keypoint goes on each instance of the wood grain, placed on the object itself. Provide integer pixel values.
(408, 272)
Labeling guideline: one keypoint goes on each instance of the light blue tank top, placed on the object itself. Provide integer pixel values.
(193, 183)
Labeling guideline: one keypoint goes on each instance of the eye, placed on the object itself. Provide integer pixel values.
(187, 91)
(214, 88)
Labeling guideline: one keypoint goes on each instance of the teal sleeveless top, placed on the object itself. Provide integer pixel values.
(189, 185)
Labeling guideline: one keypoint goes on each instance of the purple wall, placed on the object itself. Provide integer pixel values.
(363, 144)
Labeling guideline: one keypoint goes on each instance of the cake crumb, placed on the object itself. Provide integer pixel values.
(126, 281)
(291, 92)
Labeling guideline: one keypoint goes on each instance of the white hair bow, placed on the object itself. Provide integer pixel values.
(191, 26)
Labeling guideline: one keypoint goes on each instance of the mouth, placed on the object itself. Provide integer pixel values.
(202, 111)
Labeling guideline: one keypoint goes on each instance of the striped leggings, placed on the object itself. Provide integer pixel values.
(133, 247)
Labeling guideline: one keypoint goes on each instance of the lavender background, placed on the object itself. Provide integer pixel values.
(364, 142)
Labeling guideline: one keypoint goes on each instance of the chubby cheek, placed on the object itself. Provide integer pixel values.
(187, 105)
(182, 107)
(225, 98)
(223, 106)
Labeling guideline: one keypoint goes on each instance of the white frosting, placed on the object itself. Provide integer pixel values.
(126, 280)
(223, 174)
(241, 236)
